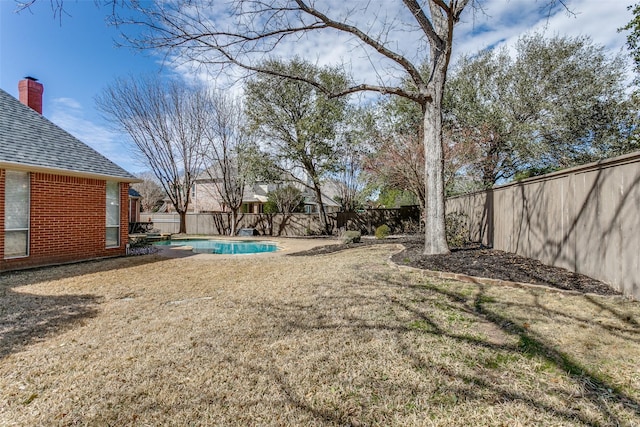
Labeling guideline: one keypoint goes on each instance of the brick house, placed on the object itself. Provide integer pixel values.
(60, 200)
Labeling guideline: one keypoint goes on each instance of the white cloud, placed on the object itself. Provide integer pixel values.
(67, 103)
(505, 21)
(70, 116)
(500, 22)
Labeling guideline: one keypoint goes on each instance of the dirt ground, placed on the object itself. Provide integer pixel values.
(479, 261)
(335, 339)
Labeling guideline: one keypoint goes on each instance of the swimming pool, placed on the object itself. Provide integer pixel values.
(223, 247)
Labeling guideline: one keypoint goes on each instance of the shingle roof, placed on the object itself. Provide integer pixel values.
(28, 139)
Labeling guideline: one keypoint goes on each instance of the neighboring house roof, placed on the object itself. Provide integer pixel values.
(258, 192)
(29, 141)
(208, 174)
(310, 199)
(133, 193)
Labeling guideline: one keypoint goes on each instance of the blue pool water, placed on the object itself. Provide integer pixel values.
(223, 247)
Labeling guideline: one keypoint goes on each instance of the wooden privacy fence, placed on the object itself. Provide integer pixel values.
(218, 223)
(405, 219)
(402, 220)
(585, 219)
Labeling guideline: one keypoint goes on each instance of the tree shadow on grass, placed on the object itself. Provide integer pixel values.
(26, 318)
(596, 389)
(608, 403)
(32, 276)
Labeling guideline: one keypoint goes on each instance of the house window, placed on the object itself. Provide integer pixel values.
(16, 214)
(113, 214)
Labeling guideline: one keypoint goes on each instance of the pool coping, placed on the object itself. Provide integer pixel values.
(286, 245)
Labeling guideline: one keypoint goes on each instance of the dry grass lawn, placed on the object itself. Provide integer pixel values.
(339, 339)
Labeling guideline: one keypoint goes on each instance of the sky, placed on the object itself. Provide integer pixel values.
(76, 57)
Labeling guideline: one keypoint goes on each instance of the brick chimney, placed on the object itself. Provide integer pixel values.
(31, 93)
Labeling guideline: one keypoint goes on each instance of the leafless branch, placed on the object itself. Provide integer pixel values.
(165, 123)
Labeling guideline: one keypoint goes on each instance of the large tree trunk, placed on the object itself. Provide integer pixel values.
(321, 211)
(435, 232)
(440, 49)
(183, 222)
(234, 219)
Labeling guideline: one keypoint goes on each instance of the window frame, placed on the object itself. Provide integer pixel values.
(28, 213)
(111, 226)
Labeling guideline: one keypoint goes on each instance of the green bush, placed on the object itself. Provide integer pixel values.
(382, 232)
(270, 207)
(457, 225)
(351, 237)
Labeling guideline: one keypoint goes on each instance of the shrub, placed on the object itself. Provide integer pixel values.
(457, 225)
(351, 237)
(285, 199)
(270, 207)
(139, 242)
(382, 232)
(141, 246)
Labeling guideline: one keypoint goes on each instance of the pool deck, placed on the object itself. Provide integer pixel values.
(285, 246)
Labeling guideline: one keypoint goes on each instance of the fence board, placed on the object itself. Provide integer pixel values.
(586, 219)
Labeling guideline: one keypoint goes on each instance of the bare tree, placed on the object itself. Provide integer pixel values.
(396, 160)
(349, 184)
(350, 181)
(286, 198)
(229, 152)
(399, 163)
(151, 193)
(167, 124)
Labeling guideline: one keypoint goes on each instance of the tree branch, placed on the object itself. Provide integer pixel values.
(383, 90)
(413, 72)
(423, 21)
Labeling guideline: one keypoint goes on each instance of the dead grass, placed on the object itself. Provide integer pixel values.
(339, 339)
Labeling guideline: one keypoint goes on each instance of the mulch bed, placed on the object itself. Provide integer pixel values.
(479, 261)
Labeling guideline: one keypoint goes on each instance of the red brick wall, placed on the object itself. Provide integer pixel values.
(68, 220)
(1, 216)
